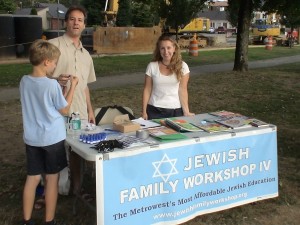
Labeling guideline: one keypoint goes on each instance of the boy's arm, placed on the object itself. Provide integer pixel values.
(69, 96)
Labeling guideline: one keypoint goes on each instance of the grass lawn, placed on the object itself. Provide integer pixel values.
(269, 94)
(10, 74)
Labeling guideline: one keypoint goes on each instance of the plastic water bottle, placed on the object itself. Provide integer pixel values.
(76, 122)
(76, 125)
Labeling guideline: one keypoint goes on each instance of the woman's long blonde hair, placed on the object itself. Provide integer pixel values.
(176, 61)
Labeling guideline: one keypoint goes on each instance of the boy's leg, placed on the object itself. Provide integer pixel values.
(35, 167)
(29, 195)
(51, 193)
(55, 161)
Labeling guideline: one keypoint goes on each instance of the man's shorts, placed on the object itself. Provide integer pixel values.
(46, 160)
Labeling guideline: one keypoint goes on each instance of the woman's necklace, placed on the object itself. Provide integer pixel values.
(164, 64)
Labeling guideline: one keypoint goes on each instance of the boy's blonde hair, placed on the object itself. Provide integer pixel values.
(41, 50)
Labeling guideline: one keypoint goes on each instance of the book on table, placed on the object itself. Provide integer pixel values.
(235, 122)
(224, 113)
(165, 133)
(211, 126)
(257, 123)
(181, 125)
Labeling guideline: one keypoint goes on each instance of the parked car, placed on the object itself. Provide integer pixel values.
(211, 30)
(221, 30)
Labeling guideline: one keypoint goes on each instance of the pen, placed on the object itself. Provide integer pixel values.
(111, 130)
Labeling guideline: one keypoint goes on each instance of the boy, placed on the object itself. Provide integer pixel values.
(43, 107)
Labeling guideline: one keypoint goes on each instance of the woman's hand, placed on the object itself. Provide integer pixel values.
(145, 116)
(189, 114)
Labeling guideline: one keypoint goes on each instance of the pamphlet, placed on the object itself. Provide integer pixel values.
(146, 123)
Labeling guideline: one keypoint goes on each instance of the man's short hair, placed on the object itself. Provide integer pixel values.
(41, 50)
(76, 7)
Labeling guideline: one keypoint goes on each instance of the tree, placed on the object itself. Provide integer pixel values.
(152, 11)
(94, 9)
(180, 12)
(244, 22)
(124, 14)
(245, 12)
(142, 15)
(231, 12)
(289, 11)
(33, 11)
(7, 6)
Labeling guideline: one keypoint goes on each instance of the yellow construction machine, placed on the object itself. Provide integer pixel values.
(197, 25)
(261, 29)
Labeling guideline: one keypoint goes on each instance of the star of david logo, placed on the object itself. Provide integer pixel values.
(165, 168)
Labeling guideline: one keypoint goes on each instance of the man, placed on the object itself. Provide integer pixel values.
(75, 60)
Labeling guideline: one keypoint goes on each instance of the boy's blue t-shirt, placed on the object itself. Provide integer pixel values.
(41, 98)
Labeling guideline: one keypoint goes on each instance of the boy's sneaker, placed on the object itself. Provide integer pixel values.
(28, 222)
(54, 222)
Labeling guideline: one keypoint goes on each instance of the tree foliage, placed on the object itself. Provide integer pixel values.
(7, 6)
(124, 14)
(142, 15)
(289, 11)
(94, 9)
(152, 11)
(180, 12)
(33, 11)
(232, 12)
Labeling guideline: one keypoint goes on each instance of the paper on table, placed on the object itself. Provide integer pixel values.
(146, 123)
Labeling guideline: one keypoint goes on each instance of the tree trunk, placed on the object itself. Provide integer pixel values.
(244, 21)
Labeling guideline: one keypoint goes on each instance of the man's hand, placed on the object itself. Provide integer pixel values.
(63, 79)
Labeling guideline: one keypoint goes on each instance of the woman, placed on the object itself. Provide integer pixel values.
(165, 89)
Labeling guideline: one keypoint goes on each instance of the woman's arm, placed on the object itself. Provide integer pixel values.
(146, 95)
(183, 95)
